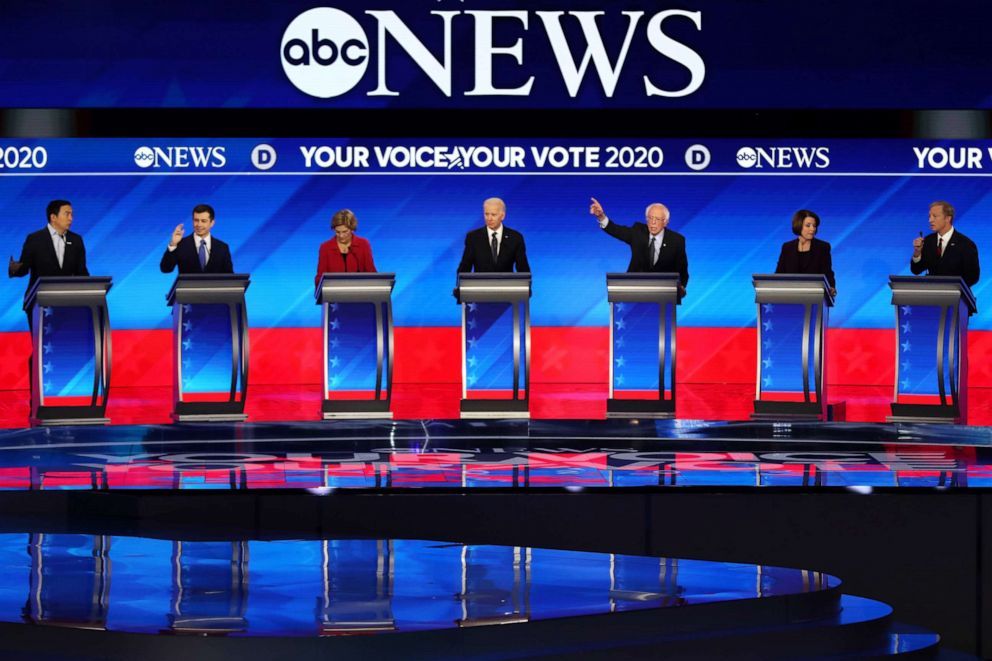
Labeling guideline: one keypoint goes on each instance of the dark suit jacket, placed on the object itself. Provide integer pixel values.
(671, 258)
(960, 258)
(818, 260)
(478, 255)
(38, 257)
(188, 261)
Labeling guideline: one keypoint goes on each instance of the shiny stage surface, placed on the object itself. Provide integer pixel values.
(334, 587)
(516, 455)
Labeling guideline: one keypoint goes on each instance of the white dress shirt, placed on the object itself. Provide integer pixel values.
(942, 241)
(499, 237)
(58, 242)
(196, 245)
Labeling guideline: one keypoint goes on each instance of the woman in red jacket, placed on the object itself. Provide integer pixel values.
(346, 253)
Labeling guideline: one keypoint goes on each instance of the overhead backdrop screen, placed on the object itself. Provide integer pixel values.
(416, 199)
(495, 54)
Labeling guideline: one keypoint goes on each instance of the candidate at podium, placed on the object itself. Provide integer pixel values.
(946, 251)
(494, 248)
(52, 250)
(653, 247)
(199, 253)
(805, 253)
(346, 252)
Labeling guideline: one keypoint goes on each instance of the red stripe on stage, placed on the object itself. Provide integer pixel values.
(857, 357)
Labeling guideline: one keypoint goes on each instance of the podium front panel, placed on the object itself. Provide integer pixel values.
(208, 335)
(67, 357)
(788, 350)
(492, 337)
(353, 360)
(642, 352)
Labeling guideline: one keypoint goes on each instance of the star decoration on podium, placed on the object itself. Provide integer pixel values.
(334, 307)
(472, 361)
(906, 310)
(767, 308)
(47, 347)
(906, 346)
(619, 340)
(767, 325)
(906, 327)
(333, 362)
(767, 363)
(47, 311)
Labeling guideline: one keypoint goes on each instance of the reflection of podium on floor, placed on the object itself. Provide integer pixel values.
(496, 583)
(210, 588)
(70, 580)
(358, 587)
(931, 348)
(358, 344)
(495, 344)
(642, 325)
(210, 335)
(70, 361)
(792, 331)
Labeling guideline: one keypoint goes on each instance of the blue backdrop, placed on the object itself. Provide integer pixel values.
(872, 197)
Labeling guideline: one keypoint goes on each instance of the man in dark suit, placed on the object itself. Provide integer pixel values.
(52, 251)
(200, 253)
(653, 247)
(494, 248)
(946, 251)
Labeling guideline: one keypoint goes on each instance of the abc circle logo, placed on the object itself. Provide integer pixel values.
(144, 157)
(746, 157)
(324, 52)
(697, 157)
(263, 157)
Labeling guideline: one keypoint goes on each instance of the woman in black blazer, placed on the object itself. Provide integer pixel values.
(806, 254)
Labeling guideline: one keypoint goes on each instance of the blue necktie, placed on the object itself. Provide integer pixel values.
(203, 254)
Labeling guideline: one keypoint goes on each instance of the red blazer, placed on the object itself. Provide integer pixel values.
(358, 259)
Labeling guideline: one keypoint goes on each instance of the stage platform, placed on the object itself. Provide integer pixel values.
(454, 454)
(900, 513)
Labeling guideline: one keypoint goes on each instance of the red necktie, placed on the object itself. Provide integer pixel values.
(940, 246)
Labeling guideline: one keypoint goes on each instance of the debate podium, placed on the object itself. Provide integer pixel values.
(495, 338)
(642, 325)
(931, 348)
(793, 311)
(210, 340)
(71, 350)
(358, 344)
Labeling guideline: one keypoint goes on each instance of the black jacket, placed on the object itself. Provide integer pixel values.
(478, 254)
(39, 259)
(671, 258)
(188, 261)
(960, 258)
(818, 261)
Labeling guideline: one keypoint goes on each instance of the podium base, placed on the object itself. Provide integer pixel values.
(209, 417)
(655, 409)
(926, 413)
(765, 410)
(357, 415)
(491, 409)
(61, 422)
(356, 409)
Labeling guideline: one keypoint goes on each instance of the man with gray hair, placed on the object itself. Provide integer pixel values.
(653, 247)
(494, 248)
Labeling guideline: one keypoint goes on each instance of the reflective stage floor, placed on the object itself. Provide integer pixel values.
(453, 454)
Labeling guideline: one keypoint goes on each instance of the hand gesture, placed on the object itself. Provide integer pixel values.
(596, 209)
(12, 267)
(177, 235)
(917, 246)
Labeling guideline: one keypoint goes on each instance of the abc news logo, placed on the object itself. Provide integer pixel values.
(784, 158)
(180, 157)
(325, 52)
